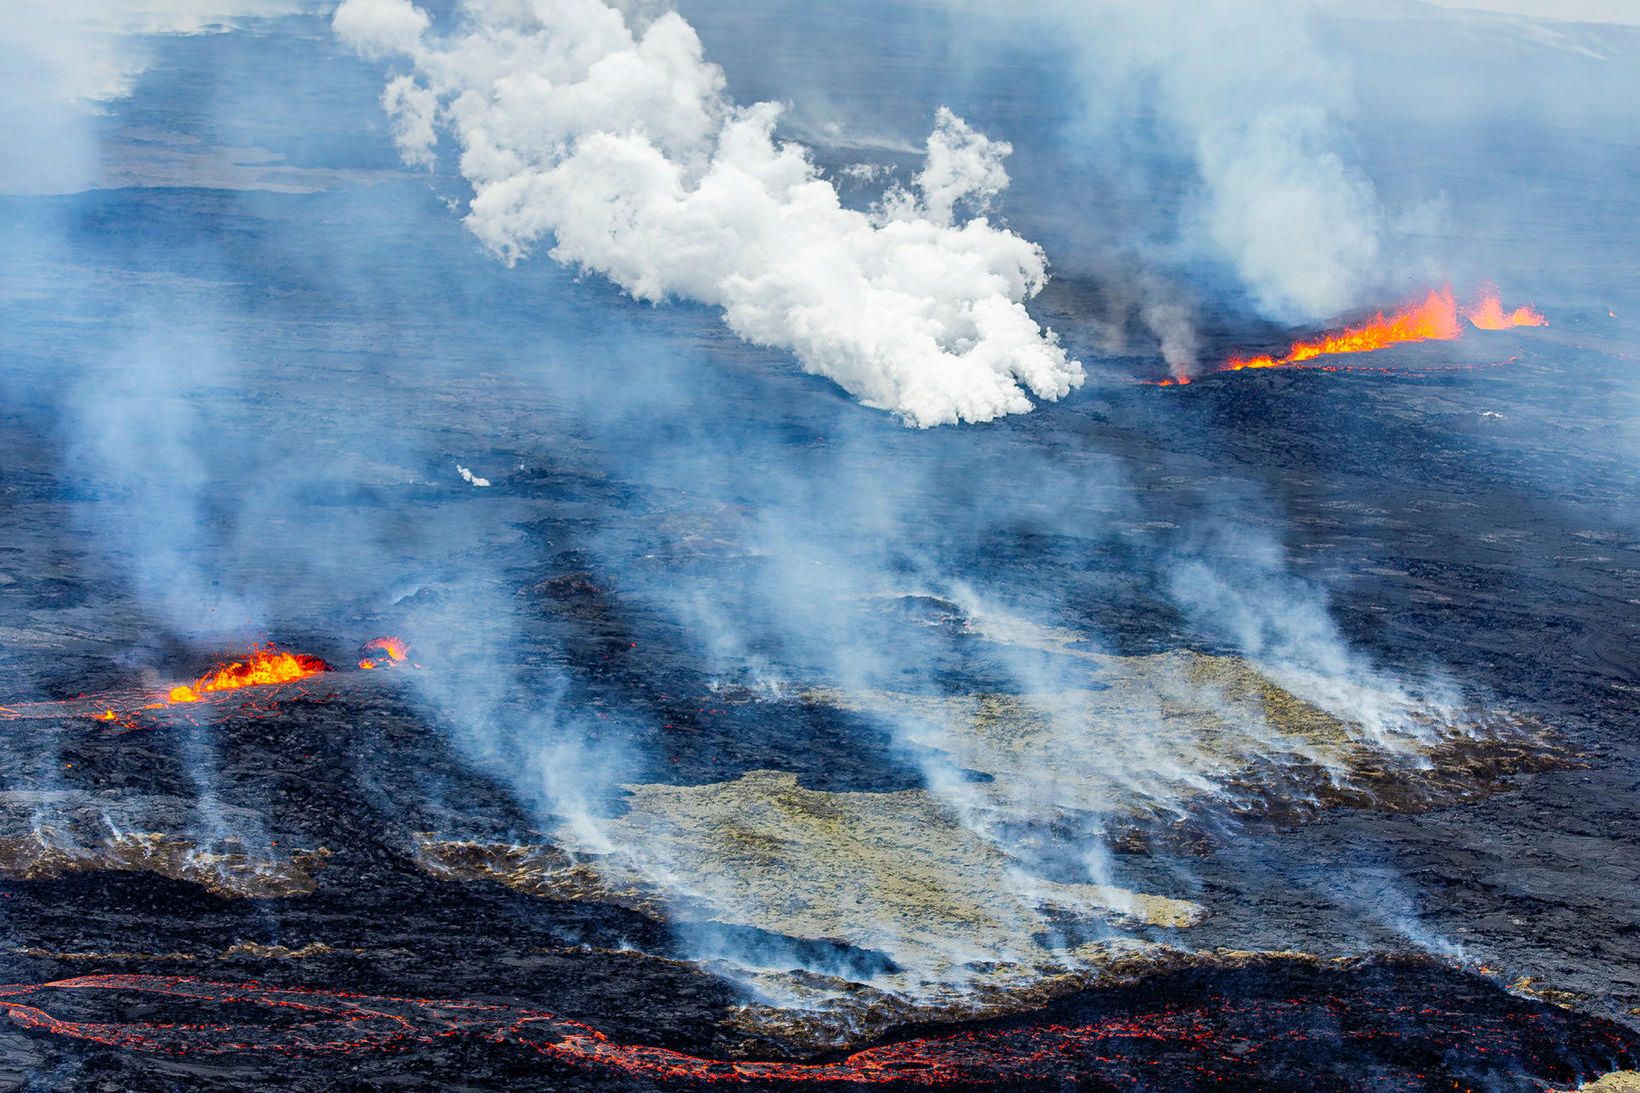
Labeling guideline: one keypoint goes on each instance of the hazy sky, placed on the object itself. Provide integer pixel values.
(1586, 11)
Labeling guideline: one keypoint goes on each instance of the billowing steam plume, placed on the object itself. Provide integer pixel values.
(615, 137)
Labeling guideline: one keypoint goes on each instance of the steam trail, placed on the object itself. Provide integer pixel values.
(1245, 95)
(1213, 147)
(65, 61)
(615, 137)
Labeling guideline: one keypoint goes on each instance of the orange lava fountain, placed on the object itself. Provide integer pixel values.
(266, 666)
(1437, 318)
(1489, 315)
(395, 648)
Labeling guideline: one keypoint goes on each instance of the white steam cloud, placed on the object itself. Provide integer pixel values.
(472, 479)
(614, 136)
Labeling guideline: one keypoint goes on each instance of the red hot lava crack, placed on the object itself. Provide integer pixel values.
(335, 1022)
(254, 683)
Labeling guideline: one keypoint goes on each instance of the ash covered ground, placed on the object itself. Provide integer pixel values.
(1274, 731)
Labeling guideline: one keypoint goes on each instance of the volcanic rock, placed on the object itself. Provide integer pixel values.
(964, 931)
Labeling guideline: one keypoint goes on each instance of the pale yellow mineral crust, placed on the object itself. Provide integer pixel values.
(924, 889)
(231, 874)
(1618, 1081)
(1169, 743)
(894, 874)
(876, 870)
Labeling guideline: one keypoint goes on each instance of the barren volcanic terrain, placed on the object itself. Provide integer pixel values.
(422, 671)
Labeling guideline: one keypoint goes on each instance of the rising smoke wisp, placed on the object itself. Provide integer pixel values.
(1245, 97)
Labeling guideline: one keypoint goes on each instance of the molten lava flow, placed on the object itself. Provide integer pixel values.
(1231, 1038)
(126, 708)
(265, 667)
(1489, 315)
(261, 668)
(1437, 318)
(395, 648)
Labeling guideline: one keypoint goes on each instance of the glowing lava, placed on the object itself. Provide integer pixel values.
(127, 708)
(1489, 315)
(1436, 319)
(395, 648)
(266, 666)
(1231, 1039)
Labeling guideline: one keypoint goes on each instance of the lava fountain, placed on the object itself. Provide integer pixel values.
(265, 666)
(393, 650)
(1436, 318)
(1489, 315)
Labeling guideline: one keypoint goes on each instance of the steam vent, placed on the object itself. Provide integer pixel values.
(593, 545)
